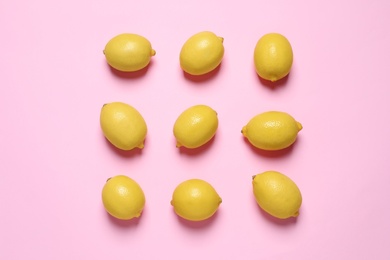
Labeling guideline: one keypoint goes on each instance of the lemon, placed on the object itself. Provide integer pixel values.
(201, 53)
(273, 56)
(195, 126)
(195, 200)
(123, 198)
(128, 52)
(123, 125)
(277, 194)
(272, 130)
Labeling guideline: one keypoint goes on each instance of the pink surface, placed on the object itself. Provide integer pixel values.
(55, 160)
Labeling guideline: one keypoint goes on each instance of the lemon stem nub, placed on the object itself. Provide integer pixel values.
(299, 126)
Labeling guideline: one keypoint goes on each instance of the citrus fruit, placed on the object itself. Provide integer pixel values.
(128, 52)
(273, 56)
(277, 194)
(123, 198)
(272, 130)
(195, 200)
(201, 53)
(195, 126)
(123, 125)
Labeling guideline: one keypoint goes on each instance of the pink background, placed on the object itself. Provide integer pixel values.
(55, 160)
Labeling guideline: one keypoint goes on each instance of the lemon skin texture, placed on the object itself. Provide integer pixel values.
(195, 126)
(201, 53)
(195, 200)
(277, 194)
(273, 57)
(123, 198)
(128, 52)
(272, 130)
(123, 126)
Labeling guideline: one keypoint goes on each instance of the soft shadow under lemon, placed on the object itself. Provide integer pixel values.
(271, 154)
(198, 225)
(274, 220)
(202, 78)
(274, 85)
(131, 223)
(197, 151)
(132, 74)
(122, 153)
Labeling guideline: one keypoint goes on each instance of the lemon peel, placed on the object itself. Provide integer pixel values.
(123, 125)
(277, 194)
(201, 53)
(128, 52)
(123, 198)
(273, 57)
(272, 130)
(195, 126)
(195, 200)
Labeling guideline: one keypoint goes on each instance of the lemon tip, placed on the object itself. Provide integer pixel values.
(299, 125)
(243, 131)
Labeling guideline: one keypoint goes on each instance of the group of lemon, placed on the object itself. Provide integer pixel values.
(195, 199)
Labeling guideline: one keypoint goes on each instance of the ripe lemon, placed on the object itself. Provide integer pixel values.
(272, 130)
(195, 200)
(195, 126)
(123, 198)
(128, 52)
(273, 57)
(277, 194)
(123, 125)
(201, 53)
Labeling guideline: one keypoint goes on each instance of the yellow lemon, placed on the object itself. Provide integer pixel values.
(195, 126)
(273, 56)
(128, 52)
(195, 200)
(123, 125)
(277, 194)
(272, 130)
(201, 53)
(123, 198)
